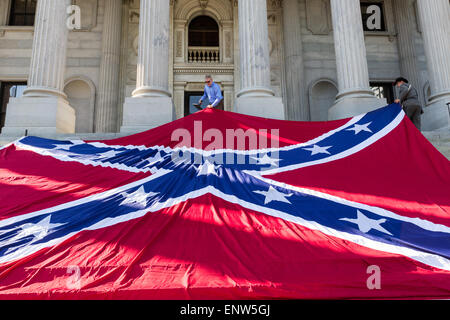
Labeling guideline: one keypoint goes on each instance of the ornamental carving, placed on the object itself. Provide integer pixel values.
(318, 16)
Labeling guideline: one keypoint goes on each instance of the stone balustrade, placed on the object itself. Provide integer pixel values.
(203, 54)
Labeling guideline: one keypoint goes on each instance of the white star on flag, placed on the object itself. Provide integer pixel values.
(273, 195)
(66, 147)
(138, 198)
(317, 150)
(361, 127)
(109, 154)
(152, 160)
(267, 160)
(207, 168)
(37, 230)
(366, 224)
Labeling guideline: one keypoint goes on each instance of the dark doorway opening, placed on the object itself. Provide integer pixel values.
(189, 99)
(9, 90)
(383, 90)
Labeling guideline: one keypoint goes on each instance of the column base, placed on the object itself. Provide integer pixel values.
(262, 106)
(436, 115)
(141, 114)
(38, 116)
(351, 106)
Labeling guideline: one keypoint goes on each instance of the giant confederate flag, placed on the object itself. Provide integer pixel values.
(219, 205)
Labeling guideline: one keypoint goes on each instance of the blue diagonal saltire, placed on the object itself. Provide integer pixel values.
(238, 181)
(188, 182)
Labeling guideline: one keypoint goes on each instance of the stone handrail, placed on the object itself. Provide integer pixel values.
(203, 54)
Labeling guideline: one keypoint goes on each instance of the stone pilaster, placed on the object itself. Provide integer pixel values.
(256, 96)
(435, 23)
(355, 96)
(108, 88)
(406, 36)
(296, 98)
(123, 63)
(151, 104)
(43, 109)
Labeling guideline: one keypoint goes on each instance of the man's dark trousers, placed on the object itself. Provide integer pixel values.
(220, 106)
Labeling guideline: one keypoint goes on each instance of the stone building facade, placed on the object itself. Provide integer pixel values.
(135, 64)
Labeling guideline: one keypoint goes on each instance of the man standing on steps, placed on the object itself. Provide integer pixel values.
(213, 93)
(408, 97)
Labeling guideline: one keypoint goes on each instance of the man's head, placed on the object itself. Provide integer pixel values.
(208, 80)
(400, 81)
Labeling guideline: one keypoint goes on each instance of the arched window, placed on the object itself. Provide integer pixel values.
(203, 32)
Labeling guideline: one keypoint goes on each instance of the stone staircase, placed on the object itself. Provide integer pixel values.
(440, 139)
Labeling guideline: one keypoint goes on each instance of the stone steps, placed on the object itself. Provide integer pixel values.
(440, 139)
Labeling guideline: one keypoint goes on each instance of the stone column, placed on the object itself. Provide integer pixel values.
(151, 104)
(108, 87)
(435, 22)
(256, 96)
(406, 39)
(296, 99)
(43, 109)
(355, 96)
(123, 63)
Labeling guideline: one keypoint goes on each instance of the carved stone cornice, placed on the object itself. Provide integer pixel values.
(273, 4)
(195, 68)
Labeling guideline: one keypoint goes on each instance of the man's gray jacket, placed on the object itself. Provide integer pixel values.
(408, 96)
